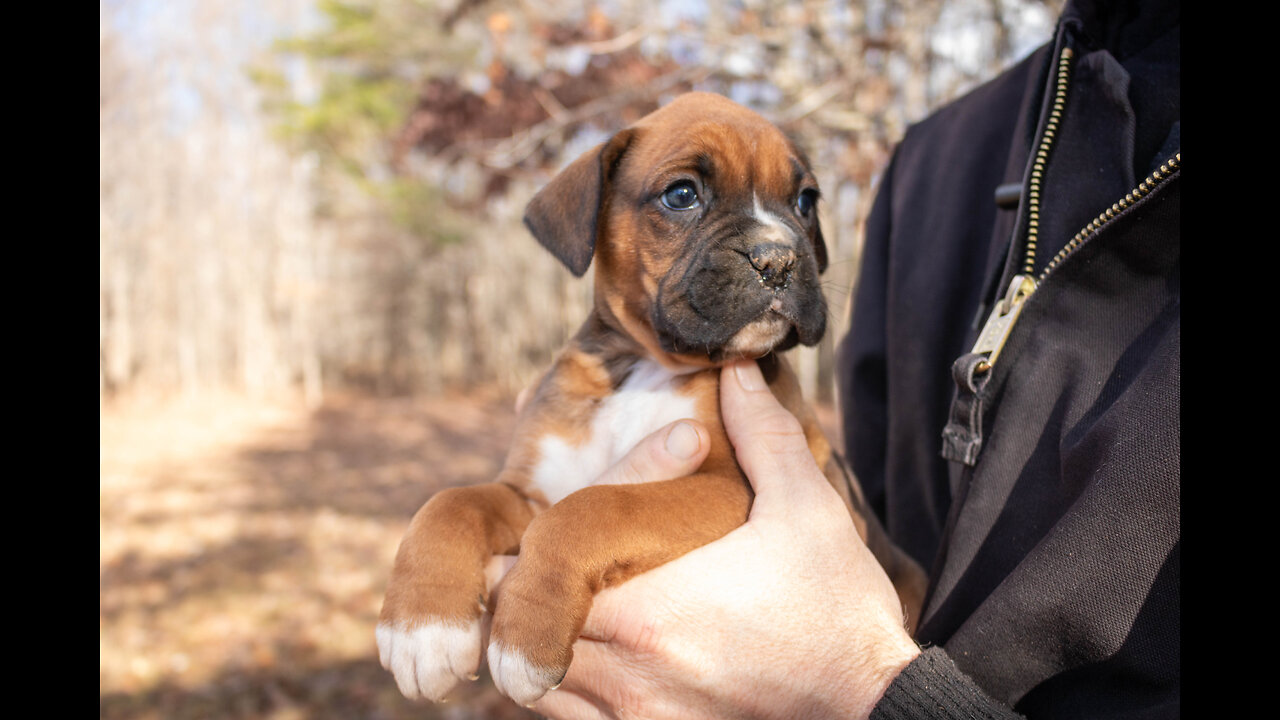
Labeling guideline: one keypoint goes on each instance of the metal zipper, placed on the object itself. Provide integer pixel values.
(1000, 323)
(1005, 313)
(1042, 159)
(1154, 180)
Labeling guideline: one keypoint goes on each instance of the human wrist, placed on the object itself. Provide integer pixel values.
(839, 678)
(856, 672)
(893, 654)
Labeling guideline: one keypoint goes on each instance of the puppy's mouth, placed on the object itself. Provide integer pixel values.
(751, 323)
(762, 335)
(739, 298)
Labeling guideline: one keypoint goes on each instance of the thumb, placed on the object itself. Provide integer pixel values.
(769, 441)
(673, 451)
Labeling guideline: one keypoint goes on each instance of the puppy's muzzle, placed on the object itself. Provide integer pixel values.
(773, 262)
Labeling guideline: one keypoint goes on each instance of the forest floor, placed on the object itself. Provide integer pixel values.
(245, 548)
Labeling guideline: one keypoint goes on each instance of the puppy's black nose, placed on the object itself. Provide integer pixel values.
(773, 262)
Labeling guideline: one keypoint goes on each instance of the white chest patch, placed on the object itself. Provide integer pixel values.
(646, 401)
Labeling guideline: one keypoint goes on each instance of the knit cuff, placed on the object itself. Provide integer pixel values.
(933, 688)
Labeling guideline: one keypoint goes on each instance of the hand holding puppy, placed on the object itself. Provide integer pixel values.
(787, 616)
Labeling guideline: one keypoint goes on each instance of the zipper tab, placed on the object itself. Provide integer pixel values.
(1000, 322)
(962, 437)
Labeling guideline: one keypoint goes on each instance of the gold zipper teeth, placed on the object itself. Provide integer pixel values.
(1042, 157)
(1153, 181)
(1005, 314)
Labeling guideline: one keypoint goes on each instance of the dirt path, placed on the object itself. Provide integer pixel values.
(245, 548)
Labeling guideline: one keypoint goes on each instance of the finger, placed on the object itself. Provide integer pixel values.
(769, 441)
(496, 569)
(522, 398)
(673, 451)
(600, 676)
(564, 704)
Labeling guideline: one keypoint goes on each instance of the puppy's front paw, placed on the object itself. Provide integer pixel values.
(537, 619)
(519, 677)
(428, 659)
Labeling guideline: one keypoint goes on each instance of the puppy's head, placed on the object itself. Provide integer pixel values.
(702, 221)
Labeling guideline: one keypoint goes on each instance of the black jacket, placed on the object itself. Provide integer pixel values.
(1055, 554)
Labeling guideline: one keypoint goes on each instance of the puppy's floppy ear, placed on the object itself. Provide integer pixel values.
(819, 245)
(565, 215)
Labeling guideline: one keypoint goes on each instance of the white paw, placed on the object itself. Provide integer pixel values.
(519, 679)
(429, 660)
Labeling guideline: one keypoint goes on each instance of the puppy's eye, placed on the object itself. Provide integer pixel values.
(680, 196)
(806, 201)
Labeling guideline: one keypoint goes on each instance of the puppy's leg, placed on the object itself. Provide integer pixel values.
(429, 633)
(595, 538)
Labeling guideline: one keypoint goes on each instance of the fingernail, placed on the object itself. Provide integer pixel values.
(748, 374)
(683, 441)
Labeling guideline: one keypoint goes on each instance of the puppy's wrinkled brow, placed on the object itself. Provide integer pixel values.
(705, 165)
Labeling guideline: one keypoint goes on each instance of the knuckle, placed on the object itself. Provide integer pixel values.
(629, 473)
(645, 463)
(781, 422)
(777, 430)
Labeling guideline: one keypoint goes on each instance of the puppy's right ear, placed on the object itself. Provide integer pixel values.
(565, 215)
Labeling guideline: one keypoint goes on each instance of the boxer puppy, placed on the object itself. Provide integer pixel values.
(702, 223)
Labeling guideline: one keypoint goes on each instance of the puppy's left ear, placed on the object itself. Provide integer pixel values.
(565, 215)
(819, 245)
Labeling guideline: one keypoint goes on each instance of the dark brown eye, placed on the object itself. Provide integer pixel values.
(680, 196)
(806, 201)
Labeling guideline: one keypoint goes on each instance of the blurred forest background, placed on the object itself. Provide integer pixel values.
(317, 298)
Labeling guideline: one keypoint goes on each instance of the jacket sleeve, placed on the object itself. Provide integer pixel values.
(933, 688)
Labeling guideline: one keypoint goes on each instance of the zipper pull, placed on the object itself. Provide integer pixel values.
(1001, 321)
(962, 437)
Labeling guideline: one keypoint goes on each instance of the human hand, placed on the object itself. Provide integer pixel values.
(787, 616)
